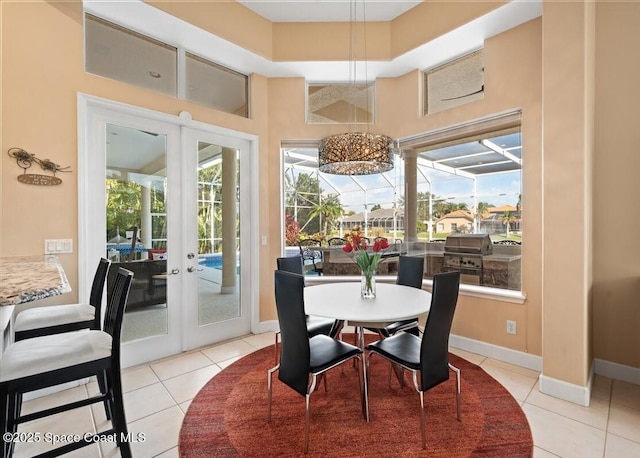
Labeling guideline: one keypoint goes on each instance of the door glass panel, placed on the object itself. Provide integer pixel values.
(136, 236)
(218, 223)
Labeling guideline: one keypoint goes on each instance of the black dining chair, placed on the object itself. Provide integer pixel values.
(410, 273)
(54, 319)
(315, 324)
(43, 362)
(428, 356)
(302, 356)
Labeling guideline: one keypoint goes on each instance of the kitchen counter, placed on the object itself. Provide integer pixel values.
(25, 279)
(29, 278)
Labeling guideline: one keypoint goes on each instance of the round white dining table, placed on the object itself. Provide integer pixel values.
(342, 301)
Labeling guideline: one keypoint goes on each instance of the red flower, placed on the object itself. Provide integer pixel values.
(381, 244)
(347, 248)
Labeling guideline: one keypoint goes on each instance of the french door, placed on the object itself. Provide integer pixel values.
(164, 200)
(216, 203)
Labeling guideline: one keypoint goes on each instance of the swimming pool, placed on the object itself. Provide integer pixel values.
(214, 260)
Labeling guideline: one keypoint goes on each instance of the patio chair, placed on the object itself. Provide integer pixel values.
(309, 254)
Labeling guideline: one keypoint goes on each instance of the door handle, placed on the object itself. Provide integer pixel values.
(193, 269)
(174, 271)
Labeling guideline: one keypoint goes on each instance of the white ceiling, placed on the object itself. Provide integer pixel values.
(329, 10)
(145, 19)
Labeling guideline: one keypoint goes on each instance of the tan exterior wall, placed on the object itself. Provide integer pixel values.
(42, 72)
(447, 222)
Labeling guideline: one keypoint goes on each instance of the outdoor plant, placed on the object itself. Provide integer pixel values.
(292, 231)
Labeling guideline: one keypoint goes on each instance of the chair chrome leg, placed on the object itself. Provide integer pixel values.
(269, 382)
(276, 345)
(312, 387)
(423, 421)
(365, 389)
(458, 396)
(306, 424)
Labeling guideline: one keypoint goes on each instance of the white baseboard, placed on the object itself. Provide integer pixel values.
(268, 326)
(617, 371)
(577, 394)
(508, 355)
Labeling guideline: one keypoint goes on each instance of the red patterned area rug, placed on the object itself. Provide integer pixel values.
(228, 417)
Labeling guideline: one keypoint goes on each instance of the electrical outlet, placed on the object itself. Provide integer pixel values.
(511, 327)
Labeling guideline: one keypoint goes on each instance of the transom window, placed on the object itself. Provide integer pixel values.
(121, 54)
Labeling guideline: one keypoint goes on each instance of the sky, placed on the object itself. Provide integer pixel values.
(491, 153)
(498, 189)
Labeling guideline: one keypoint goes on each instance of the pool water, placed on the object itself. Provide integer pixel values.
(215, 260)
(211, 261)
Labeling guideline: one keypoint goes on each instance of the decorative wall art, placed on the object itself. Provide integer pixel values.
(25, 160)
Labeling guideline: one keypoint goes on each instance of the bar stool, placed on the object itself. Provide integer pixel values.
(42, 321)
(42, 362)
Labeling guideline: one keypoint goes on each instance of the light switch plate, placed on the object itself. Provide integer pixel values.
(58, 246)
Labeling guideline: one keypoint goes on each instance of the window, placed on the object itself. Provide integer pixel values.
(216, 86)
(123, 55)
(468, 182)
(120, 54)
(335, 103)
(454, 83)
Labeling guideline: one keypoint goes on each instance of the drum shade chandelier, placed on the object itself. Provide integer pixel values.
(355, 153)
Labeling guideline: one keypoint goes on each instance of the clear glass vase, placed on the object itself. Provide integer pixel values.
(368, 283)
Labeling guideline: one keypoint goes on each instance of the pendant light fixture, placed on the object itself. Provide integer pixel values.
(355, 153)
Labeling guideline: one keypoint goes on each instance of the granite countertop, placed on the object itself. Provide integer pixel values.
(29, 278)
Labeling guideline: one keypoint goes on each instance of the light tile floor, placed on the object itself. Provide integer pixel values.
(158, 394)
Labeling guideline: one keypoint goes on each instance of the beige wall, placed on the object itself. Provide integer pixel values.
(513, 80)
(42, 73)
(616, 284)
(568, 156)
(398, 115)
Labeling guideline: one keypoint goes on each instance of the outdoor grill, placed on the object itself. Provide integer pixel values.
(464, 253)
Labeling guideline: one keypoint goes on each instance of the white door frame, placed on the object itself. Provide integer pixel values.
(91, 217)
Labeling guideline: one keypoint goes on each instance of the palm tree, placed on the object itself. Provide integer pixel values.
(507, 219)
(328, 209)
(483, 209)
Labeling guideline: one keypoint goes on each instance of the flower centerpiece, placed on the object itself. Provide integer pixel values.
(367, 261)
